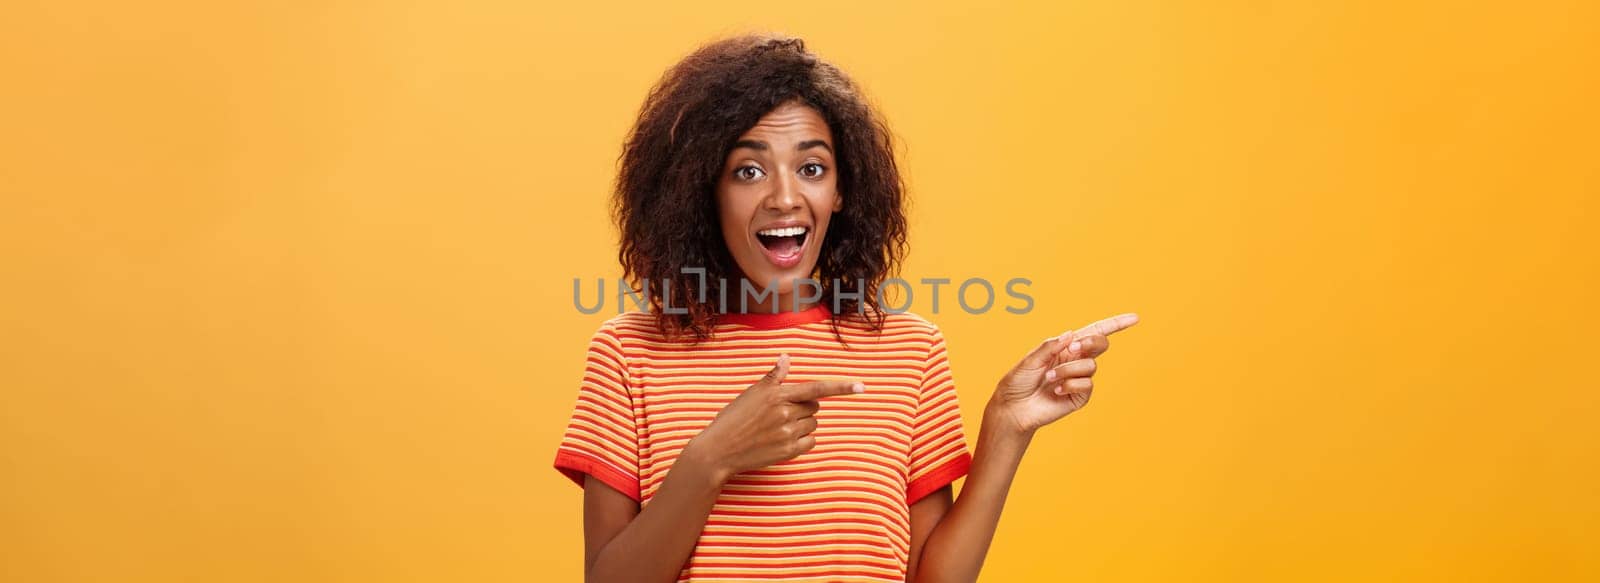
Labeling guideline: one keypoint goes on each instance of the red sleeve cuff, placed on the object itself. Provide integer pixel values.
(938, 477)
(574, 465)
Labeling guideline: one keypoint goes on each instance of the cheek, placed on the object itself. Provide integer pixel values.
(824, 197)
(733, 217)
(828, 206)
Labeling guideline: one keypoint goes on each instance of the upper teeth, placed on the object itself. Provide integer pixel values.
(784, 232)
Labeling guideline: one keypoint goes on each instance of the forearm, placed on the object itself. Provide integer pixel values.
(957, 546)
(655, 544)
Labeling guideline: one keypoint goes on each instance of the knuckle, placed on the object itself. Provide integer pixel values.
(802, 445)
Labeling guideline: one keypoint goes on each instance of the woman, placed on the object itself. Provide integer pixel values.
(803, 433)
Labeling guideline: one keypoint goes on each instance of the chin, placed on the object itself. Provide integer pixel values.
(787, 282)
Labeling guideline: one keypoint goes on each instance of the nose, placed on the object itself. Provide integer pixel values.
(785, 194)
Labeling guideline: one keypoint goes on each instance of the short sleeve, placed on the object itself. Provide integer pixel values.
(602, 438)
(938, 446)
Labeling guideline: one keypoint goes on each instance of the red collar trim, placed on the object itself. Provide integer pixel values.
(782, 319)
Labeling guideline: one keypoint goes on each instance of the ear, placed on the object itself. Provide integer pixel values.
(838, 203)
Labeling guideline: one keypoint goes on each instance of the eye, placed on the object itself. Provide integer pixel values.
(812, 170)
(748, 173)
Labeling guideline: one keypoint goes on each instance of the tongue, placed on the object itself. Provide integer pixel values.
(784, 245)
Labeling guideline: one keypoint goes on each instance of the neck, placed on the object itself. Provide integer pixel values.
(789, 302)
(776, 302)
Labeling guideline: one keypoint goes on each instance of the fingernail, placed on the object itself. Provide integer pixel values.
(1074, 346)
(1062, 390)
(1050, 375)
(859, 388)
(783, 358)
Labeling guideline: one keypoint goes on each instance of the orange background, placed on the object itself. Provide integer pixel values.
(287, 288)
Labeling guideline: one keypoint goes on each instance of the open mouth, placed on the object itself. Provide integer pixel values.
(783, 246)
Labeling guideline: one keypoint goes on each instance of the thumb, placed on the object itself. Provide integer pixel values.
(775, 377)
(1041, 357)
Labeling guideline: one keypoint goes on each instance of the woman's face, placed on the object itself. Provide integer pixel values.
(777, 190)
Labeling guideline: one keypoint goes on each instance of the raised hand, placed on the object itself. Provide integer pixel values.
(768, 423)
(1056, 378)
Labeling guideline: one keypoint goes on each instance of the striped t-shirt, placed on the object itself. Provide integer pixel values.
(837, 512)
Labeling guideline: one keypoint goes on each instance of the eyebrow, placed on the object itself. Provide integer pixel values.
(762, 146)
(814, 144)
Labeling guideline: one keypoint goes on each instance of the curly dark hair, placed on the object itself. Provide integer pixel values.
(665, 204)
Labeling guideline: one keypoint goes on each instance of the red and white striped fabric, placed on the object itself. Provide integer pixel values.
(837, 512)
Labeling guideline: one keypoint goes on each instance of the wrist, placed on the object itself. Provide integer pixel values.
(702, 464)
(999, 419)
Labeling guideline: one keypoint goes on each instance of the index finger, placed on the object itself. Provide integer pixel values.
(817, 389)
(1109, 325)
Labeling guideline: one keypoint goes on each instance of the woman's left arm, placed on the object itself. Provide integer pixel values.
(1051, 382)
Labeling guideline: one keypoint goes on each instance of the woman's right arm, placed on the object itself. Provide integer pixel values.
(622, 543)
(766, 424)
